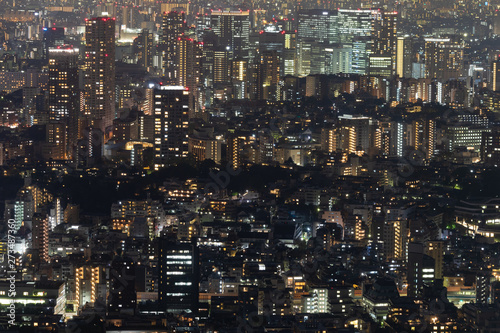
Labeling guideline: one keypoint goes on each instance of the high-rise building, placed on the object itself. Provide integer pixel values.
(443, 58)
(171, 113)
(56, 139)
(51, 37)
(178, 276)
(144, 48)
(355, 23)
(319, 24)
(404, 57)
(355, 134)
(233, 31)
(40, 236)
(385, 38)
(421, 269)
(221, 66)
(490, 148)
(203, 145)
(239, 69)
(495, 71)
(435, 249)
(189, 54)
(63, 83)
(99, 108)
(339, 60)
(360, 54)
(423, 136)
(268, 82)
(64, 94)
(173, 26)
(90, 285)
(122, 293)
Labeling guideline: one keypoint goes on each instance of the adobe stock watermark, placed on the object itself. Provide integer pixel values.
(12, 271)
(256, 321)
(221, 179)
(406, 165)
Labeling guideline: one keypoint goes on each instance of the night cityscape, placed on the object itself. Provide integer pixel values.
(257, 166)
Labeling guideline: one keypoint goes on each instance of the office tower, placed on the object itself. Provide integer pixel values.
(63, 93)
(495, 71)
(171, 115)
(173, 26)
(221, 66)
(380, 65)
(99, 108)
(319, 24)
(40, 236)
(303, 57)
(404, 56)
(338, 59)
(209, 46)
(384, 44)
(421, 269)
(178, 276)
(360, 54)
(443, 58)
(144, 48)
(51, 37)
(233, 31)
(268, 76)
(354, 23)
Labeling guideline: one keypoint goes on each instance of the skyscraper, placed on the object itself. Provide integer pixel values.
(495, 71)
(319, 24)
(268, 85)
(173, 26)
(63, 91)
(171, 113)
(189, 55)
(63, 82)
(404, 56)
(99, 108)
(144, 48)
(384, 40)
(178, 277)
(443, 58)
(354, 23)
(233, 31)
(51, 37)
